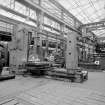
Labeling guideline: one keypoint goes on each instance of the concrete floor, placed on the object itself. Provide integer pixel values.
(96, 82)
(43, 91)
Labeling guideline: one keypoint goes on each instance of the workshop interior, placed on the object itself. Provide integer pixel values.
(42, 37)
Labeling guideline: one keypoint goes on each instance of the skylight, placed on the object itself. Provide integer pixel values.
(87, 11)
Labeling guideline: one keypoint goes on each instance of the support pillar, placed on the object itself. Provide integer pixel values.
(40, 21)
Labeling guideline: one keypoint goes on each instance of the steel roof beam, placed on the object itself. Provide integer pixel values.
(65, 10)
(15, 22)
(101, 23)
(46, 13)
(23, 16)
(15, 12)
(93, 26)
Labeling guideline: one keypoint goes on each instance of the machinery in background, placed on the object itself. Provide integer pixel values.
(5, 71)
(6, 33)
(31, 49)
(39, 63)
(40, 49)
(100, 55)
(72, 71)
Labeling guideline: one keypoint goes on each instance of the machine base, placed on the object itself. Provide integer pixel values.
(6, 77)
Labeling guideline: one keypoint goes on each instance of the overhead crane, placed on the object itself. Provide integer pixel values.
(85, 28)
(94, 26)
(91, 27)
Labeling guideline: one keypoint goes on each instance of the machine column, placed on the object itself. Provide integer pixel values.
(71, 52)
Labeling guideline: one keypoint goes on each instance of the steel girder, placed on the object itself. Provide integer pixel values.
(94, 26)
(64, 10)
(15, 12)
(23, 16)
(44, 32)
(28, 3)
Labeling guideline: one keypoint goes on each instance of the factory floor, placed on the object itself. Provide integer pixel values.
(43, 91)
